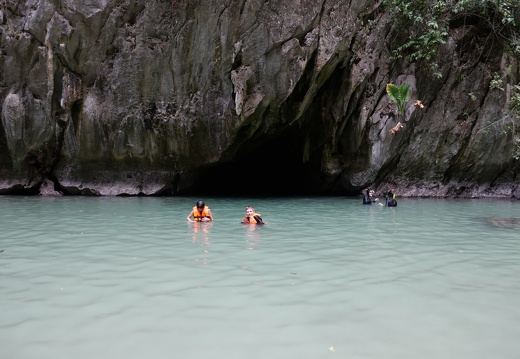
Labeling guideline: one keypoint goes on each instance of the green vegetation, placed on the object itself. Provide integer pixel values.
(496, 83)
(400, 95)
(425, 25)
(422, 27)
(514, 109)
(510, 123)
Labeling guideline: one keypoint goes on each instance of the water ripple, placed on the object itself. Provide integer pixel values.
(128, 277)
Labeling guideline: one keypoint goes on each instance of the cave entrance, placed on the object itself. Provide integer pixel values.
(273, 167)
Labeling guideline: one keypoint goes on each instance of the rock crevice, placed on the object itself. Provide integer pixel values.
(125, 97)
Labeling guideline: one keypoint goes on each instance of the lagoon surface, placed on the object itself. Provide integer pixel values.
(327, 277)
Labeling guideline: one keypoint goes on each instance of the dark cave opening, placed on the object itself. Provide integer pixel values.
(272, 168)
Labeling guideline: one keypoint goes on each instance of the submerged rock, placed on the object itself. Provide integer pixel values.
(504, 222)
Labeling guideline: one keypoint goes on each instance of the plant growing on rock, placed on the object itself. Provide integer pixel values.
(514, 107)
(510, 123)
(425, 25)
(400, 95)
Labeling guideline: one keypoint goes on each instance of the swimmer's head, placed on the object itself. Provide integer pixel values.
(200, 204)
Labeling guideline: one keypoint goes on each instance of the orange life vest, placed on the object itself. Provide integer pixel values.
(199, 216)
(251, 219)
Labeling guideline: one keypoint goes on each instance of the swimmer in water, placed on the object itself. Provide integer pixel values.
(368, 197)
(390, 198)
(252, 217)
(200, 213)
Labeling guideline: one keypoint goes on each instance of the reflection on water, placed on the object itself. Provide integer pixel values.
(201, 232)
(327, 277)
(201, 235)
(254, 235)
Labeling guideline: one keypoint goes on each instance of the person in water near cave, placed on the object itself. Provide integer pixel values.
(390, 198)
(368, 197)
(252, 217)
(200, 213)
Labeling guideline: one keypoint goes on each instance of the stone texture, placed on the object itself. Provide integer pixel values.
(159, 97)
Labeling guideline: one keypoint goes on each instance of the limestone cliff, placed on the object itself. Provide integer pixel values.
(160, 97)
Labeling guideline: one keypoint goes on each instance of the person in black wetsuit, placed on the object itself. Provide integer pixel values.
(368, 197)
(390, 198)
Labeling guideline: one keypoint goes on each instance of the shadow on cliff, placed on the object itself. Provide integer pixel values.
(274, 167)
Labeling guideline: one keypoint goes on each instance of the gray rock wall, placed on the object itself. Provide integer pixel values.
(168, 96)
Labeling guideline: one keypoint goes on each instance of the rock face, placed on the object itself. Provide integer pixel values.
(160, 97)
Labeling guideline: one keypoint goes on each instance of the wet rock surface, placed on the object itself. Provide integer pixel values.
(124, 97)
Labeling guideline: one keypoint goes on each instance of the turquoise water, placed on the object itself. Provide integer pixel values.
(326, 278)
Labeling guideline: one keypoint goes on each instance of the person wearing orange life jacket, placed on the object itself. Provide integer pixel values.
(200, 213)
(252, 217)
